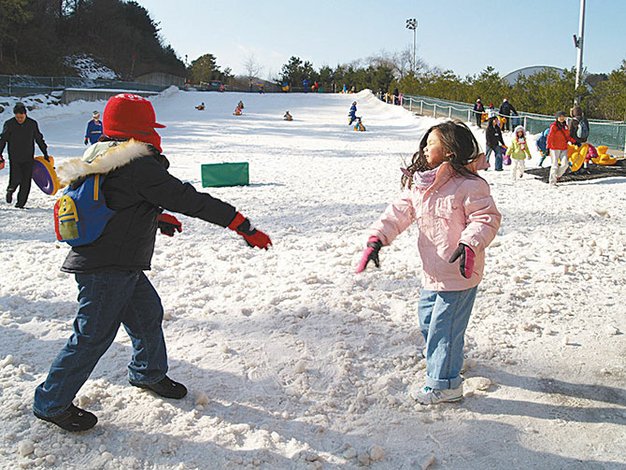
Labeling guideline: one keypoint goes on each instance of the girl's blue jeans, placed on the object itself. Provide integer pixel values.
(106, 300)
(443, 320)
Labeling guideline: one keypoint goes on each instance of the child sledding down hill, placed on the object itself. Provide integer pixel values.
(200, 107)
(457, 219)
(238, 111)
(518, 151)
(288, 116)
(359, 125)
(113, 289)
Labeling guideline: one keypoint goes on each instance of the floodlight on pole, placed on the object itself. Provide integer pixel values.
(411, 24)
(578, 43)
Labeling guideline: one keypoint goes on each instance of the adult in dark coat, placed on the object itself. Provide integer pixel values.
(113, 289)
(506, 109)
(479, 109)
(20, 133)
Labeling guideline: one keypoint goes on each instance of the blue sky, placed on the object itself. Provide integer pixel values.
(461, 35)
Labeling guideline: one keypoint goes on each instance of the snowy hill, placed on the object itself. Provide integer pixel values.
(292, 360)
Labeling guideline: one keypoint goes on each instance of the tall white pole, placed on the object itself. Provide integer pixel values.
(414, 53)
(579, 43)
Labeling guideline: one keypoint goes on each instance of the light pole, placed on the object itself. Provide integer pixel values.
(411, 23)
(578, 43)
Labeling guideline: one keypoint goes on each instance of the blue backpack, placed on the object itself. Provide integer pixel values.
(81, 214)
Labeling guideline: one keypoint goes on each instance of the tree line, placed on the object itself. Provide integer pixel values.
(37, 35)
(603, 96)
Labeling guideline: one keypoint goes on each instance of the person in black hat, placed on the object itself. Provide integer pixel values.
(20, 133)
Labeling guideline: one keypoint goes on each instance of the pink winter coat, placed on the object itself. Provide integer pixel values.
(453, 209)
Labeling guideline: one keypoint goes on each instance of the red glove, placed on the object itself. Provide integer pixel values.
(168, 224)
(467, 256)
(370, 254)
(252, 236)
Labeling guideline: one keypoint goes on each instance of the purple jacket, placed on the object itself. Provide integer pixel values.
(453, 209)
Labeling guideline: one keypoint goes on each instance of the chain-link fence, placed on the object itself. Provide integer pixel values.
(610, 133)
(24, 85)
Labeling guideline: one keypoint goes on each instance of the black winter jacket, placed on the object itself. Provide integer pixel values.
(493, 134)
(138, 190)
(21, 139)
(507, 108)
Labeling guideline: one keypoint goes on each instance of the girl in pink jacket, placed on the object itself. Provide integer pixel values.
(457, 220)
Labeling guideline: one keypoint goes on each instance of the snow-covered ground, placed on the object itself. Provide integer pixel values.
(292, 360)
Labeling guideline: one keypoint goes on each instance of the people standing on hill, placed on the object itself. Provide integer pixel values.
(506, 109)
(21, 133)
(457, 219)
(94, 129)
(558, 137)
(491, 111)
(113, 289)
(396, 96)
(519, 152)
(493, 136)
(479, 109)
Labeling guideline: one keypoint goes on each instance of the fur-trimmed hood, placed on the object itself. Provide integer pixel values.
(102, 158)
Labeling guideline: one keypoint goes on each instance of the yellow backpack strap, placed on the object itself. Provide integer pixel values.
(96, 187)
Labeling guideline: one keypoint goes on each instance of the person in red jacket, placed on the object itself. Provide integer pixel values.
(557, 145)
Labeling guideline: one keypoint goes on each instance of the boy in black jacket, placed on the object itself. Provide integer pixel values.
(113, 289)
(21, 133)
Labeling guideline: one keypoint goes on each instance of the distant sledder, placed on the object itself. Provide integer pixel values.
(359, 125)
(287, 116)
(352, 117)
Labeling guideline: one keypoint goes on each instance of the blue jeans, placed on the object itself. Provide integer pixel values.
(443, 319)
(498, 159)
(106, 300)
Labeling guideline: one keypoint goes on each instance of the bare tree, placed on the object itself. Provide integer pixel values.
(253, 68)
(399, 62)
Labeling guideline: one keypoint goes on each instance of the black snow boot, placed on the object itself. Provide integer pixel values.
(9, 198)
(73, 419)
(166, 388)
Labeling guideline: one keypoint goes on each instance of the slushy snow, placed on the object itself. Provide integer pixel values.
(292, 360)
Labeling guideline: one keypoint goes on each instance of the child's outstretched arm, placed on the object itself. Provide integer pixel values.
(483, 218)
(397, 217)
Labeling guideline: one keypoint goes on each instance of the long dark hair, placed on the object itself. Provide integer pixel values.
(458, 141)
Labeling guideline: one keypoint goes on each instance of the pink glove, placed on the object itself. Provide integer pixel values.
(370, 254)
(467, 256)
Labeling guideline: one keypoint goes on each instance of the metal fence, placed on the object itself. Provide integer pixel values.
(611, 133)
(24, 85)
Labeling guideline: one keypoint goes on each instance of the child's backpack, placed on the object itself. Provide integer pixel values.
(583, 129)
(81, 214)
